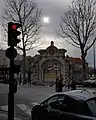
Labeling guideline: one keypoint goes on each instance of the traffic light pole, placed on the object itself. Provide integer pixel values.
(11, 92)
(11, 53)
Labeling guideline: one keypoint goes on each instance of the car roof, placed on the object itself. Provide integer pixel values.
(81, 95)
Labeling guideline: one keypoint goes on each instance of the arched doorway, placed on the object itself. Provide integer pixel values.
(51, 69)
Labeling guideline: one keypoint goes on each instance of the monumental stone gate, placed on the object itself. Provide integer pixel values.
(49, 64)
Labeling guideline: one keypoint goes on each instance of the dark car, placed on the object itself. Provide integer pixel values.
(70, 105)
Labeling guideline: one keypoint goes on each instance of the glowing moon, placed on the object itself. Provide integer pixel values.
(46, 20)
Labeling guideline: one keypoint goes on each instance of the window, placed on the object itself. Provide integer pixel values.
(72, 106)
(92, 106)
(55, 102)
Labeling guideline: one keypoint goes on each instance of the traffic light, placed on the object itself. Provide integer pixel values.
(13, 33)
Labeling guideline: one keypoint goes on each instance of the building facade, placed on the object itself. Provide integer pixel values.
(51, 63)
(73, 69)
(5, 64)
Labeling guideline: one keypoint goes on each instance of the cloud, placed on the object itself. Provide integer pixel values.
(53, 9)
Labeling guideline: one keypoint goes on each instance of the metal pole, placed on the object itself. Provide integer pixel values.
(11, 92)
(94, 57)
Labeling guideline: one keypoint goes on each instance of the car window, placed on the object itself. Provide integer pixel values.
(72, 106)
(55, 101)
(92, 106)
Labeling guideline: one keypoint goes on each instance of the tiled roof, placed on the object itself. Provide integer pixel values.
(76, 60)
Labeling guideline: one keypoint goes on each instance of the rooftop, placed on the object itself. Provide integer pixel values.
(76, 60)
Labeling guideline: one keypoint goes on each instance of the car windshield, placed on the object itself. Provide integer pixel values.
(92, 106)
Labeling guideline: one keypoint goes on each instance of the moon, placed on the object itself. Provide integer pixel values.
(46, 19)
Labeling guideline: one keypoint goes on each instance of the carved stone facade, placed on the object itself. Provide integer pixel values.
(49, 64)
(52, 62)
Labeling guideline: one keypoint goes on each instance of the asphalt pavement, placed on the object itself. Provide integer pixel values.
(25, 97)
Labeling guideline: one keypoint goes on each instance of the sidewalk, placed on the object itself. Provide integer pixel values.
(5, 117)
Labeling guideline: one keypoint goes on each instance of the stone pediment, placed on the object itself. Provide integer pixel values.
(62, 50)
(52, 50)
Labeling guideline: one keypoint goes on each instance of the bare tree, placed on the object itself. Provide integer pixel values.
(78, 25)
(29, 67)
(28, 15)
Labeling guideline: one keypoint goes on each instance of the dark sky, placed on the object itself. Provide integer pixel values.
(53, 9)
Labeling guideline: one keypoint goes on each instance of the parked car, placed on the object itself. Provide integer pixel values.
(70, 105)
(90, 83)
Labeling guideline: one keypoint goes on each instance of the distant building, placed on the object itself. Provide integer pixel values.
(5, 64)
(4, 61)
(74, 68)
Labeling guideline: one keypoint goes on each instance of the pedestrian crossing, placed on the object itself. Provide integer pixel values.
(4, 107)
(25, 108)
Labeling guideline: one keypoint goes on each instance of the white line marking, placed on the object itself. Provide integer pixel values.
(4, 107)
(34, 103)
(25, 108)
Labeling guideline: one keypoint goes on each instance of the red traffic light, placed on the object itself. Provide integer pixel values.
(13, 33)
(14, 27)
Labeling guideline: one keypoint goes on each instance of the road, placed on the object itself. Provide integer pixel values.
(24, 98)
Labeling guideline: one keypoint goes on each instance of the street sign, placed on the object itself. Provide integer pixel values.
(11, 52)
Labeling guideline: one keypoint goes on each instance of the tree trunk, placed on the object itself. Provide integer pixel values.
(29, 78)
(83, 69)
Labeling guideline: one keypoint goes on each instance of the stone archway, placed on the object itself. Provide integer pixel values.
(51, 68)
